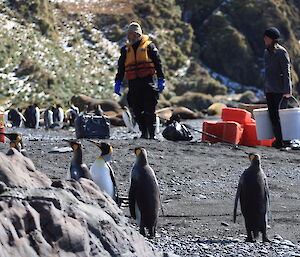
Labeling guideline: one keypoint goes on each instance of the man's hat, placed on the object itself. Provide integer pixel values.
(272, 33)
(134, 27)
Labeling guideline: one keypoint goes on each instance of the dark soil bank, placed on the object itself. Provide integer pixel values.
(198, 183)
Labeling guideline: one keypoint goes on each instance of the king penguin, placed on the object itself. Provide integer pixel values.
(127, 117)
(32, 116)
(77, 169)
(102, 173)
(16, 117)
(15, 142)
(144, 197)
(48, 117)
(253, 192)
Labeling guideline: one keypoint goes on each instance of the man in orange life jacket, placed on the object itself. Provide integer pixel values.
(139, 62)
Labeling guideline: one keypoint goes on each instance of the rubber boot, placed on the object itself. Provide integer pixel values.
(278, 143)
(149, 122)
(151, 132)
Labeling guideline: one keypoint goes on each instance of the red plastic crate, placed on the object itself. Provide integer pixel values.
(249, 137)
(266, 142)
(238, 115)
(232, 132)
(212, 127)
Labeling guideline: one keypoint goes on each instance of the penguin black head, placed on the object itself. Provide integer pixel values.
(141, 155)
(254, 157)
(15, 139)
(75, 144)
(104, 147)
(140, 151)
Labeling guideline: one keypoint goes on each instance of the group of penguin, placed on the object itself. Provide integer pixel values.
(54, 116)
(144, 194)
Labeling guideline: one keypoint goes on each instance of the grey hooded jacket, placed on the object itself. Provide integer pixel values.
(277, 71)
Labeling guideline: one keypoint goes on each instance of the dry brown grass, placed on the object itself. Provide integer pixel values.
(102, 7)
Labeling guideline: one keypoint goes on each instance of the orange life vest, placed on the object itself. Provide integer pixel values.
(138, 65)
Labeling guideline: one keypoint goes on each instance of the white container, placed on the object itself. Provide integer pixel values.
(263, 124)
(290, 123)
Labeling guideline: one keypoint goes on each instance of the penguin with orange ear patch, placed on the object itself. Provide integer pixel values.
(144, 197)
(253, 192)
(15, 142)
(102, 173)
(77, 169)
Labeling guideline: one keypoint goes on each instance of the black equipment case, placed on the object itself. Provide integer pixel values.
(92, 126)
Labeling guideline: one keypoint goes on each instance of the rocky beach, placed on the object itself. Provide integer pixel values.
(198, 181)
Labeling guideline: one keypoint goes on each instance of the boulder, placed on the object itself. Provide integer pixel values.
(65, 218)
(185, 113)
(18, 170)
(248, 97)
(81, 100)
(192, 100)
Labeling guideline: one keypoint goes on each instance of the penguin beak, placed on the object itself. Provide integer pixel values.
(94, 142)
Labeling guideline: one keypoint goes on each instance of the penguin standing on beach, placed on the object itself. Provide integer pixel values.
(72, 114)
(58, 117)
(48, 117)
(77, 169)
(127, 117)
(16, 117)
(32, 116)
(253, 192)
(102, 173)
(144, 197)
(15, 142)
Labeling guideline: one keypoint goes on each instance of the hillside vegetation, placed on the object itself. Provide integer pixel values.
(51, 50)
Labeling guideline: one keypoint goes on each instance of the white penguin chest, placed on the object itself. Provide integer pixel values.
(101, 176)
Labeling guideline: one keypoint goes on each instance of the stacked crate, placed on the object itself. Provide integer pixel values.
(237, 127)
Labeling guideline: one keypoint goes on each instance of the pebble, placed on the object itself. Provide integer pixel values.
(224, 224)
(263, 251)
(278, 237)
(202, 197)
(287, 243)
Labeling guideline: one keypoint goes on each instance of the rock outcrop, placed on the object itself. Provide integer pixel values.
(39, 217)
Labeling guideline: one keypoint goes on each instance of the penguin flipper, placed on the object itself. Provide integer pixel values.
(112, 175)
(267, 198)
(132, 199)
(237, 196)
(86, 172)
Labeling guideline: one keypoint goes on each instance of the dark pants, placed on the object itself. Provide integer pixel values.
(273, 100)
(142, 98)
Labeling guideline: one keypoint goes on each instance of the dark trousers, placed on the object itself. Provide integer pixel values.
(273, 100)
(142, 98)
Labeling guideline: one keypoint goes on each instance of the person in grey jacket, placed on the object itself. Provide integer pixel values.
(278, 83)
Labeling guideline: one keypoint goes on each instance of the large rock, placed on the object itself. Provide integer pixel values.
(183, 112)
(66, 218)
(191, 100)
(17, 170)
(249, 97)
(81, 100)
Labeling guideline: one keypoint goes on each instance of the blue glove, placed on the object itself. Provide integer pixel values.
(161, 84)
(118, 85)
